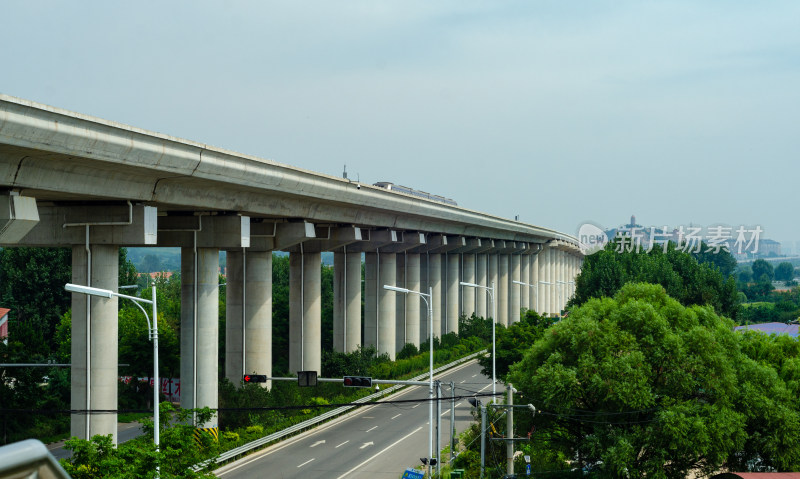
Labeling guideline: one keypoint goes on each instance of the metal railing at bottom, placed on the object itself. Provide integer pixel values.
(301, 426)
(29, 458)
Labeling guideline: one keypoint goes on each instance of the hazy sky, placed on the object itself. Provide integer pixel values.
(561, 111)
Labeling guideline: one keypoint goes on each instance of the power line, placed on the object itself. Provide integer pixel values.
(240, 409)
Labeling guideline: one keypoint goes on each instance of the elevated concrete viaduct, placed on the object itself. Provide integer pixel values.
(72, 180)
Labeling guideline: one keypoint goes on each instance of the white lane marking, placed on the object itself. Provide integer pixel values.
(417, 405)
(321, 427)
(370, 429)
(367, 444)
(303, 464)
(474, 375)
(380, 452)
(367, 417)
(393, 417)
(317, 443)
(462, 382)
(342, 444)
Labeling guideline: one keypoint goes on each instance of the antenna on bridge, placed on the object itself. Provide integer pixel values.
(344, 173)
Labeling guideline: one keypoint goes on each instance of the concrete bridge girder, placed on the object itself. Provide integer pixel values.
(111, 224)
(58, 156)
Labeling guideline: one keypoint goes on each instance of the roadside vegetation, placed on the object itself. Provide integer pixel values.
(645, 377)
(32, 285)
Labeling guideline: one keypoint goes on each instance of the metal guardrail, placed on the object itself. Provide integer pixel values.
(232, 453)
(29, 458)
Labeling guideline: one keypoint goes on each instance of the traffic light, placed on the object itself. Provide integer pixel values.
(306, 378)
(357, 382)
(255, 378)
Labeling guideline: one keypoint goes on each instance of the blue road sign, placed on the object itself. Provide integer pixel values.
(412, 474)
(527, 469)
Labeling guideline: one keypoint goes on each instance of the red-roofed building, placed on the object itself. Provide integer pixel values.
(156, 275)
(4, 324)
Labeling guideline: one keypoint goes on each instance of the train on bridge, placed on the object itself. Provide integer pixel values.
(411, 191)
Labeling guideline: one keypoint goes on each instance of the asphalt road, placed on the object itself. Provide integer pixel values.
(377, 441)
(125, 432)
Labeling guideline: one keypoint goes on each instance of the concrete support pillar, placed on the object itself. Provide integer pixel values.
(481, 267)
(514, 289)
(400, 315)
(551, 265)
(544, 287)
(371, 299)
(435, 283)
(453, 263)
(412, 301)
(524, 275)
(305, 309)
(95, 388)
(423, 286)
(346, 301)
(562, 280)
(387, 304)
(468, 293)
(248, 313)
(503, 293)
(493, 279)
(200, 329)
(571, 275)
(535, 283)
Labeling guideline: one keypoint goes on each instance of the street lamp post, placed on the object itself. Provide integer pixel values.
(428, 298)
(490, 291)
(153, 330)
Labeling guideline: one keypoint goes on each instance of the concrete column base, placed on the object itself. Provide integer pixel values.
(412, 301)
(387, 305)
(305, 312)
(453, 277)
(481, 268)
(346, 301)
(98, 388)
(468, 293)
(250, 341)
(200, 330)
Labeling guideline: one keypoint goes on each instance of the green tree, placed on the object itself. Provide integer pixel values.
(32, 285)
(744, 275)
(784, 271)
(686, 280)
(723, 260)
(150, 264)
(127, 271)
(280, 313)
(640, 386)
(179, 450)
(513, 342)
(762, 270)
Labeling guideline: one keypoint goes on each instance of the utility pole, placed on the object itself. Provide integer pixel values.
(438, 427)
(483, 439)
(510, 431)
(452, 420)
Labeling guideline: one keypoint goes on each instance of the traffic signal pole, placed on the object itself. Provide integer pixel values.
(510, 431)
(483, 440)
(452, 419)
(438, 427)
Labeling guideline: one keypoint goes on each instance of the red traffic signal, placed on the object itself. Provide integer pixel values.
(255, 378)
(357, 382)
